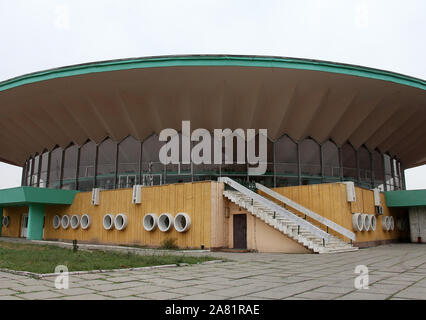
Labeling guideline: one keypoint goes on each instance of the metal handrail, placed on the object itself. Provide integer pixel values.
(330, 224)
(276, 208)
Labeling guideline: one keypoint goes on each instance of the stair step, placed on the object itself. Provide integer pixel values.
(288, 227)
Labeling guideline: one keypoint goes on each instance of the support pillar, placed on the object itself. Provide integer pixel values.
(35, 222)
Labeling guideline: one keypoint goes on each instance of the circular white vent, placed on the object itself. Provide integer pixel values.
(65, 222)
(150, 221)
(75, 221)
(182, 222)
(108, 221)
(6, 221)
(392, 223)
(85, 221)
(56, 222)
(120, 221)
(165, 222)
(357, 222)
(373, 222)
(385, 223)
(367, 223)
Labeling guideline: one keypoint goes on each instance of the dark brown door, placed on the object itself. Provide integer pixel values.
(240, 231)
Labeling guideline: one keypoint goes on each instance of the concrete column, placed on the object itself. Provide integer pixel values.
(35, 222)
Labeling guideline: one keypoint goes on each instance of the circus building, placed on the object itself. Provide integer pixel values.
(339, 138)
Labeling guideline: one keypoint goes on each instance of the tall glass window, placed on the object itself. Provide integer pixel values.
(44, 167)
(152, 168)
(378, 172)
(388, 173)
(105, 175)
(55, 168)
(177, 173)
(285, 151)
(331, 164)
(29, 168)
(349, 162)
(129, 153)
(86, 169)
(70, 168)
(365, 171)
(34, 180)
(396, 174)
(286, 163)
(267, 178)
(310, 158)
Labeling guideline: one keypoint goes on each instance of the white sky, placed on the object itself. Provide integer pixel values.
(42, 34)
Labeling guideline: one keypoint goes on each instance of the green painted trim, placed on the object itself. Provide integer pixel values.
(35, 222)
(405, 198)
(213, 60)
(30, 195)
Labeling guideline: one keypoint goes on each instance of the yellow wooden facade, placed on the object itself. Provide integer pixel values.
(15, 217)
(210, 213)
(191, 198)
(329, 200)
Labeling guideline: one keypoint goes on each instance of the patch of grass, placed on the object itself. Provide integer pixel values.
(169, 244)
(44, 258)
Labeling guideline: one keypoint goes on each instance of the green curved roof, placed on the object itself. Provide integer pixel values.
(213, 60)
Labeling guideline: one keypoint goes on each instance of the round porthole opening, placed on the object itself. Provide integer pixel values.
(65, 222)
(357, 222)
(6, 221)
(85, 221)
(108, 221)
(75, 221)
(165, 222)
(367, 222)
(150, 221)
(182, 222)
(56, 222)
(120, 221)
(373, 222)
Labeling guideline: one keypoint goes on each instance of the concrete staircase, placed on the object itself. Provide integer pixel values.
(286, 221)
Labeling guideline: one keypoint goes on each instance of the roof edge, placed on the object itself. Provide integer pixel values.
(213, 60)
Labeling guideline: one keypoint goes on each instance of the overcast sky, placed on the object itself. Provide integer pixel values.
(42, 34)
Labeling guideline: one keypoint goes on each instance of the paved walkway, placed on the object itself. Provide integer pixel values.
(396, 271)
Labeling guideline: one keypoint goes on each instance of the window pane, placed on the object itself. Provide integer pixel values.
(86, 170)
(285, 157)
(34, 181)
(364, 164)
(349, 162)
(44, 168)
(70, 168)
(388, 172)
(378, 170)
(55, 168)
(105, 176)
(310, 158)
(128, 162)
(29, 168)
(331, 165)
(152, 168)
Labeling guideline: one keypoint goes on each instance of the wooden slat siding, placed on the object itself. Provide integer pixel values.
(329, 200)
(15, 216)
(192, 198)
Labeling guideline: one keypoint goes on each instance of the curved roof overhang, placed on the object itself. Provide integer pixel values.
(301, 98)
